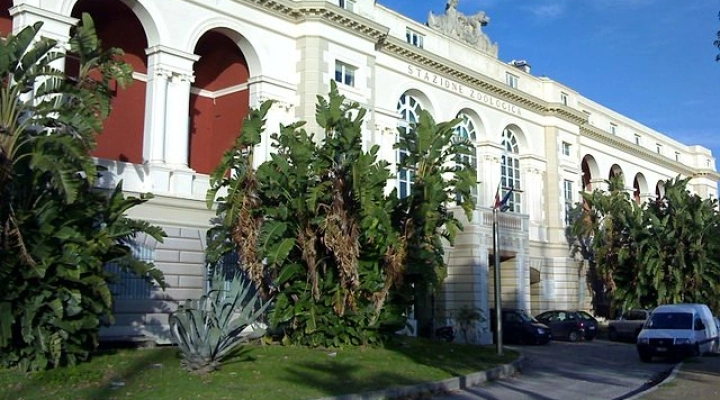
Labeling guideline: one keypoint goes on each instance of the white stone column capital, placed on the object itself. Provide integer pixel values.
(167, 60)
(55, 26)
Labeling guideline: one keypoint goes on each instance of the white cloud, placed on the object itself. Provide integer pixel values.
(547, 11)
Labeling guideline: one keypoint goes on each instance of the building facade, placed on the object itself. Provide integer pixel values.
(200, 65)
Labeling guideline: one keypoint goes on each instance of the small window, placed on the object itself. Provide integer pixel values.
(345, 73)
(658, 148)
(677, 156)
(564, 98)
(613, 129)
(511, 80)
(566, 148)
(414, 38)
(347, 4)
(637, 139)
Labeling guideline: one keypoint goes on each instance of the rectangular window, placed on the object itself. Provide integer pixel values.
(564, 98)
(677, 156)
(511, 80)
(566, 148)
(568, 198)
(613, 128)
(658, 148)
(637, 139)
(345, 73)
(414, 38)
(347, 4)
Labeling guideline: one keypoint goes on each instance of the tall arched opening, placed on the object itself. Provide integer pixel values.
(219, 100)
(117, 26)
(5, 18)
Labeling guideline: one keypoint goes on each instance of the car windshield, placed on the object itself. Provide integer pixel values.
(526, 317)
(671, 320)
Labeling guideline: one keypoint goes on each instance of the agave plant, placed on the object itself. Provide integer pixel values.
(209, 329)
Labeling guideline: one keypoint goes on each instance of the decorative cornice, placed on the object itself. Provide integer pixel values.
(595, 133)
(319, 10)
(431, 62)
(567, 113)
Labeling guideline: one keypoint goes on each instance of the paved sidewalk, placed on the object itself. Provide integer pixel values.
(696, 378)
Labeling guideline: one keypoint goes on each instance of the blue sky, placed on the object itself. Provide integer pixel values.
(651, 60)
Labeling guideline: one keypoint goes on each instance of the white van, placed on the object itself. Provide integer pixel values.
(677, 331)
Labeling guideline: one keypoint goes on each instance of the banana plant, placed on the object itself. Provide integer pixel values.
(57, 230)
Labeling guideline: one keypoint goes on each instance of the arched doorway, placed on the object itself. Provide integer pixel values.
(219, 100)
(117, 26)
(5, 19)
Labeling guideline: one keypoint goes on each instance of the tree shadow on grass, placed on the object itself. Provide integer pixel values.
(334, 379)
(456, 359)
(85, 375)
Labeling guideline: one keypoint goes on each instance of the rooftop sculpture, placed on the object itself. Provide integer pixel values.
(463, 27)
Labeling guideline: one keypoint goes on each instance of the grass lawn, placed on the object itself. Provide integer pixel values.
(258, 372)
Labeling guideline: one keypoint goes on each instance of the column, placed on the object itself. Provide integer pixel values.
(167, 112)
(170, 75)
(177, 127)
(481, 292)
(155, 113)
(523, 284)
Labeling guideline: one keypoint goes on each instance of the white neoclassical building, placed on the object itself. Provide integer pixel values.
(201, 64)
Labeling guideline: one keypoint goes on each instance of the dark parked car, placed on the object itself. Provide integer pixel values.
(520, 328)
(572, 325)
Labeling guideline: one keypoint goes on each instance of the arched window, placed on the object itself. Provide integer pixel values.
(466, 130)
(510, 170)
(408, 107)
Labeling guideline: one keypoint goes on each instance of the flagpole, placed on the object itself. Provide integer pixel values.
(498, 297)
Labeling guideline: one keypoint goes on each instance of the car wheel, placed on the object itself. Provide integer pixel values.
(612, 334)
(574, 336)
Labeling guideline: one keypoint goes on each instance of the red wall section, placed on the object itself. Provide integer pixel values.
(221, 63)
(216, 123)
(5, 20)
(117, 26)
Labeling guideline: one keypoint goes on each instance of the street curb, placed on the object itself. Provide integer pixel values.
(644, 390)
(444, 386)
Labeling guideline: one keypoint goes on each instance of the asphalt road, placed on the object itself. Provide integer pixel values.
(597, 370)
